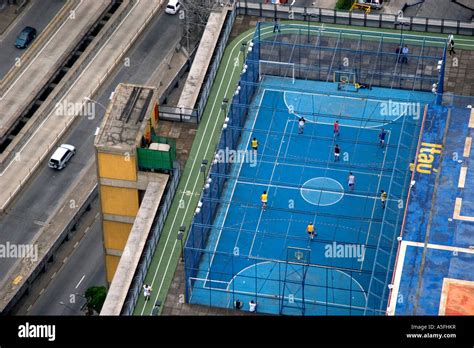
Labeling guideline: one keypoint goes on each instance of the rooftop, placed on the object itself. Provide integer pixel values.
(451, 10)
(126, 117)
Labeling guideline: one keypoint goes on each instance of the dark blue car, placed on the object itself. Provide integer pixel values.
(26, 36)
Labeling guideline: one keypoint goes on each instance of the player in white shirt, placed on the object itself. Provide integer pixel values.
(351, 181)
(252, 306)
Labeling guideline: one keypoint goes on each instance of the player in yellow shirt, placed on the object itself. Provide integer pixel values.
(254, 144)
(383, 198)
(264, 199)
(311, 231)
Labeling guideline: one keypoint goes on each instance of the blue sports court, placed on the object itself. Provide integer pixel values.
(238, 250)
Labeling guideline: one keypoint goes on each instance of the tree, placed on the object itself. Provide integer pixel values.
(95, 297)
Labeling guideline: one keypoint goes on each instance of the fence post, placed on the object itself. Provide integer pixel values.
(380, 20)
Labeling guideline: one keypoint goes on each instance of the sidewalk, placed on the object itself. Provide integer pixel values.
(45, 137)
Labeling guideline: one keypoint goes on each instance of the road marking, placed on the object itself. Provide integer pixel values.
(467, 147)
(54, 275)
(462, 177)
(97, 130)
(457, 212)
(42, 291)
(75, 245)
(65, 259)
(80, 281)
(39, 223)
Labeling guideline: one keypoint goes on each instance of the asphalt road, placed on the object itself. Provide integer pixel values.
(38, 15)
(46, 190)
(84, 268)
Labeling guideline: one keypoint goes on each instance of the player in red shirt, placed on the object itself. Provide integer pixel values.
(336, 128)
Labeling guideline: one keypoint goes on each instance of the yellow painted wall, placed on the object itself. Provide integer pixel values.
(117, 167)
(116, 234)
(119, 200)
(111, 263)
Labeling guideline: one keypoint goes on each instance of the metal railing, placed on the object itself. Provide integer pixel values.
(342, 17)
(152, 242)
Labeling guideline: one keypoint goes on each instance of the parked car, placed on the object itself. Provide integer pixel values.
(27, 35)
(61, 156)
(375, 4)
(173, 7)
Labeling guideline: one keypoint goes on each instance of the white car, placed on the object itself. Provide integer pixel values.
(61, 156)
(173, 7)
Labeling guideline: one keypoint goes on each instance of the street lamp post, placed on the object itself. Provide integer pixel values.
(203, 169)
(180, 237)
(243, 49)
(95, 102)
(308, 18)
(225, 102)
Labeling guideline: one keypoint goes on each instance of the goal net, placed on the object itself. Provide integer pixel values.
(272, 68)
(345, 80)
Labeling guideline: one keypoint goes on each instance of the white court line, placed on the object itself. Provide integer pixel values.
(375, 201)
(41, 51)
(269, 184)
(247, 142)
(272, 296)
(317, 190)
(440, 247)
(397, 279)
(317, 167)
(401, 260)
(375, 127)
(462, 177)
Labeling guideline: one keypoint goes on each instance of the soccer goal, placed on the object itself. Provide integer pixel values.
(272, 68)
(346, 80)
